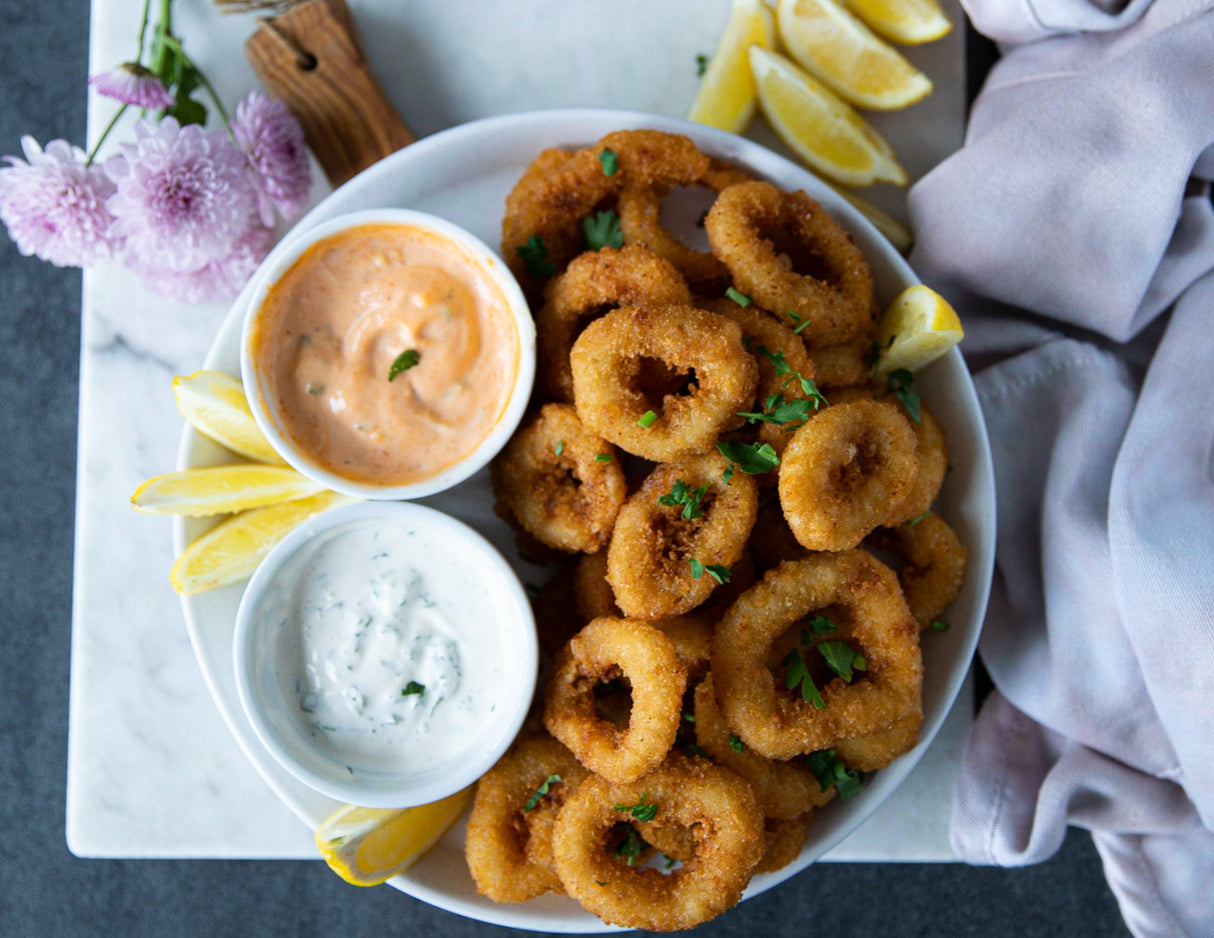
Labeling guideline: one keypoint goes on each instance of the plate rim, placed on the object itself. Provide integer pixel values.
(721, 144)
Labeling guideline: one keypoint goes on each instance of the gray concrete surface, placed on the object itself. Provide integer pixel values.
(45, 891)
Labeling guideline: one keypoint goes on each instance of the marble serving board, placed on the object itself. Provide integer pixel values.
(152, 769)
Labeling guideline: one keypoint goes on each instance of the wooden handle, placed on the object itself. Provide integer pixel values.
(312, 59)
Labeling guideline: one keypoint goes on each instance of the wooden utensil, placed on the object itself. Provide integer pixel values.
(311, 57)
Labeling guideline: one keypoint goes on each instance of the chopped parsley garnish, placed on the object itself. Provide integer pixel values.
(701, 65)
(915, 521)
(602, 230)
(727, 474)
(540, 792)
(740, 298)
(939, 625)
(828, 770)
(801, 323)
(714, 570)
(689, 498)
(901, 386)
(670, 862)
(734, 743)
(609, 161)
(752, 458)
(643, 810)
(782, 368)
(796, 675)
(535, 255)
(689, 717)
(403, 362)
(819, 625)
(781, 412)
(413, 688)
(560, 447)
(841, 658)
(877, 350)
(630, 848)
(602, 457)
(647, 419)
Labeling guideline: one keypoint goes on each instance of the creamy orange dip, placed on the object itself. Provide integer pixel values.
(338, 335)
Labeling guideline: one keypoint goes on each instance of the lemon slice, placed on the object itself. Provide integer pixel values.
(221, 490)
(906, 21)
(231, 550)
(215, 404)
(895, 232)
(819, 127)
(726, 98)
(839, 50)
(922, 327)
(367, 846)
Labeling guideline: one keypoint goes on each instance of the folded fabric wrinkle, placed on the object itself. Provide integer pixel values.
(1075, 233)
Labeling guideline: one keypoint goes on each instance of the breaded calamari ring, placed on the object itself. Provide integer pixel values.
(781, 724)
(550, 479)
(785, 790)
(786, 253)
(649, 561)
(783, 841)
(604, 650)
(879, 749)
(714, 804)
(508, 847)
(594, 283)
(608, 360)
(844, 365)
(933, 464)
(846, 472)
(640, 209)
(591, 592)
(935, 564)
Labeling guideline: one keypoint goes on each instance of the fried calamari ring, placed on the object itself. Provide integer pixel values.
(846, 472)
(608, 366)
(591, 592)
(935, 564)
(843, 366)
(508, 847)
(783, 841)
(559, 190)
(714, 804)
(549, 479)
(604, 650)
(933, 464)
(641, 222)
(877, 750)
(592, 284)
(785, 790)
(786, 253)
(871, 616)
(649, 562)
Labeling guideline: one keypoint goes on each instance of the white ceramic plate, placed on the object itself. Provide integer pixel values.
(463, 175)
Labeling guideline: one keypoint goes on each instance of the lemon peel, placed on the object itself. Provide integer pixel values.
(215, 404)
(918, 327)
(726, 98)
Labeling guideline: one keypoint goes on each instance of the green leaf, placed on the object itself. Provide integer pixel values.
(714, 570)
(602, 457)
(939, 625)
(701, 65)
(841, 658)
(643, 810)
(609, 161)
(740, 298)
(413, 688)
(901, 385)
(403, 362)
(560, 447)
(602, 230)
(828, 770)
(752, 458)
(801, 323)
(727, 474)
(689, 498)
(630, 848)
(734, 743)
(797, 673)
(819, 625)
(540, 792)
(535, 255)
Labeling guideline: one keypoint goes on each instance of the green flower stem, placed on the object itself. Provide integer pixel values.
(175, 44)
(143, 29)
(105, 133)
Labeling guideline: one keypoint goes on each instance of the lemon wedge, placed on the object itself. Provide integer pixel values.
(367, 846)
(843, 53)
(918, 328)
(216, 406)
(820, 127)
(894, 231)
(231, 550)
(221, 490)
(909, 22)
(726, 98)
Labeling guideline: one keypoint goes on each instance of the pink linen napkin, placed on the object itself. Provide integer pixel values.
(1075, 234)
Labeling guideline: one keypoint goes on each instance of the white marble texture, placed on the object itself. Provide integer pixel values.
(152, 769)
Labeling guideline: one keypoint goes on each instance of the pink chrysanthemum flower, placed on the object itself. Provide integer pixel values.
(133, 84)
(55, 207)
(183, 196)
(221, 279)
(273, 141)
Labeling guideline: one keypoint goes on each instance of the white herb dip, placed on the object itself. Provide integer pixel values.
(386, 651)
